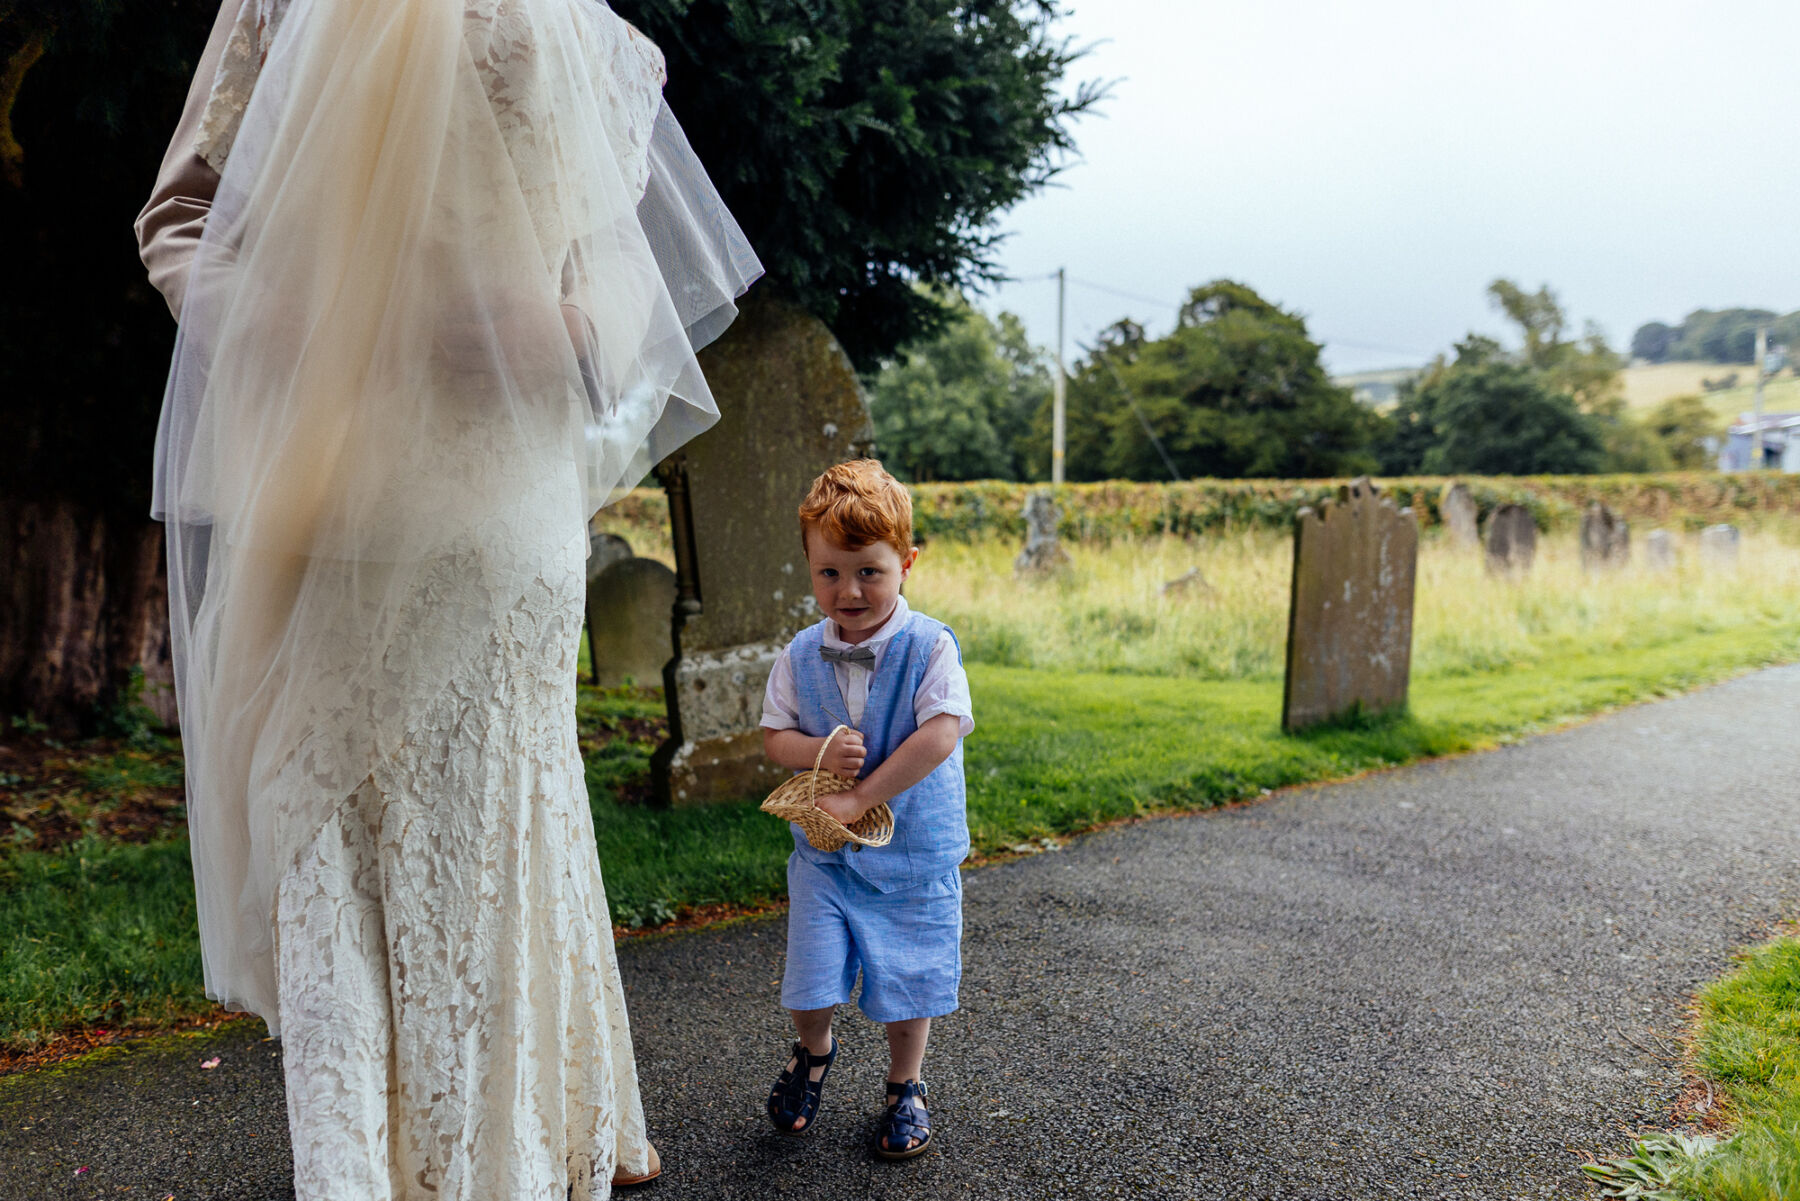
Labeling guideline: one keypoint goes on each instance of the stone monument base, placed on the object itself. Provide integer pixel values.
(717, 752)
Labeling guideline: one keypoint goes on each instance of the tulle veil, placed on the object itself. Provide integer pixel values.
(447, 302)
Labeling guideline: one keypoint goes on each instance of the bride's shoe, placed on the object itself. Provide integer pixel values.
(624, 1179)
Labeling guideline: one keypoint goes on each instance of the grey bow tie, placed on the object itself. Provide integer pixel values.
(857, 654)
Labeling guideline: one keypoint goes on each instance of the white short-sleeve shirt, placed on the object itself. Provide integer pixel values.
(945, 688)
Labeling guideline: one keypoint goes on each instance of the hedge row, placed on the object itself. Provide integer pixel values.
(1103, 512)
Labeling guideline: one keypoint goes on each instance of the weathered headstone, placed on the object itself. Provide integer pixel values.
(603, 551)
(1605, 538)
(1043, 550)
(1351, 612)
(1456, 506)
(1511, 540)
(790, 406)
(629, 611)
(1659, 550)
(1719, 545)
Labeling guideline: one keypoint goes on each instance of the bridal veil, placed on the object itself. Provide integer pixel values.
(447, 301)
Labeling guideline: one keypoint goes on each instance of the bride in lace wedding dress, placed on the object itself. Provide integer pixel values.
(441, 268)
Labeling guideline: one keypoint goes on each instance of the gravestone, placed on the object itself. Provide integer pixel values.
(1456, 506)
(1043, 550)
(1511, 540)
(630, 606)
(1719, 545)
(1605, 538)
(1351, 610)
(1659, 550)
(603, 551)
(790, 406)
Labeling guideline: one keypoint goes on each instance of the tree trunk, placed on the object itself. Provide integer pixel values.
(84, 600)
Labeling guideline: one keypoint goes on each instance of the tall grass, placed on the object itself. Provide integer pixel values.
(1109, 612)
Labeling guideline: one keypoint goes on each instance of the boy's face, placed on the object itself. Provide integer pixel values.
(856, 588)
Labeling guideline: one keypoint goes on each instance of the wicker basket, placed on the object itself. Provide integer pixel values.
(797, 801)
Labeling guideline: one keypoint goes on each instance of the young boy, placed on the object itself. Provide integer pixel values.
(895, 677)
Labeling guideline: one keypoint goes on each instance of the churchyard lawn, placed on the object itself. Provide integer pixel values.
(1744, 1094)
(1098, 698)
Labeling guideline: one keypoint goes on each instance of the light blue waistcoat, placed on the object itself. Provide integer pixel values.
(931, 824)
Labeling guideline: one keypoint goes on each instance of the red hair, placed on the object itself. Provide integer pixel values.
(858, 504)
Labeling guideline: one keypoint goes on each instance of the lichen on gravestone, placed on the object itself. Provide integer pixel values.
(1350, 613)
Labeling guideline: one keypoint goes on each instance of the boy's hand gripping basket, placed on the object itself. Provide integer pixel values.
(797, 801)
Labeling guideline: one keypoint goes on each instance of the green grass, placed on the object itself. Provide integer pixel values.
(1749, 1043)
(96, 934)
(103, 934)
(1054, 754)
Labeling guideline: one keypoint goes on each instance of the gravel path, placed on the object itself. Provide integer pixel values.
(1438, 982)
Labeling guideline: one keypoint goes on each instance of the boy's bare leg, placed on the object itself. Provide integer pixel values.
(814, 1028)
(906, 1056)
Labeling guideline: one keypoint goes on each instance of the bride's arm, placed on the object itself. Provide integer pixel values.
(168, 230)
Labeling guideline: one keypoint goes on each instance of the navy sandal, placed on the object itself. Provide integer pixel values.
(904, 1121)
(795, 1097)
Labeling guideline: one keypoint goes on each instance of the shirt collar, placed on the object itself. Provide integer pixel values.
(888, 629)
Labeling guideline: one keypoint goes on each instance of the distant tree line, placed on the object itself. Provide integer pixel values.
(1237, 390)
(1708, 336)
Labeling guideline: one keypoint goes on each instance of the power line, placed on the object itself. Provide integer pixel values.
(1099, 352)
(1121, 293)
(1124, 295)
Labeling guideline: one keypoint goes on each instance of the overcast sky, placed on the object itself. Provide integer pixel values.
(1373, 164)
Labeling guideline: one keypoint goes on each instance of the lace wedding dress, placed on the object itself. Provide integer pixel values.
(447, 299)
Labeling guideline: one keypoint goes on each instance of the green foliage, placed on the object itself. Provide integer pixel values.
(958, 406)
(1653, 1169)
(1714, 336)
(868, 144)
(1235, 391)
(1749, 1042)
(1653, 342)
(1631, 445)
(1556, 405)
(1687, 428)
(1489, 415)
(1105, 512)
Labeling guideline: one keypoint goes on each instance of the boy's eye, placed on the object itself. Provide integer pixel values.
(867, 571)
(829, 573)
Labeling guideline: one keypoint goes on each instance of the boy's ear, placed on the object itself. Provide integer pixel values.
(906, 564)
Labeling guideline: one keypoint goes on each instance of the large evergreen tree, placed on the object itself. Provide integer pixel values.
(866, 145)
(1487, 413)
(1236, 390)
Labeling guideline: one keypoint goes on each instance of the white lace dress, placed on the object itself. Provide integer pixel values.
(450, 1009)
(452, 1019)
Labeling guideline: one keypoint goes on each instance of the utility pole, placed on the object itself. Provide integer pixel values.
(1059, 406)
(1756, 432)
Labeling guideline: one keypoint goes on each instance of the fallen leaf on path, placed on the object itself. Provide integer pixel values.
(210, 1064)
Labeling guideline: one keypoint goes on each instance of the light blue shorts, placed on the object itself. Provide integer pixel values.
(908, 944)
